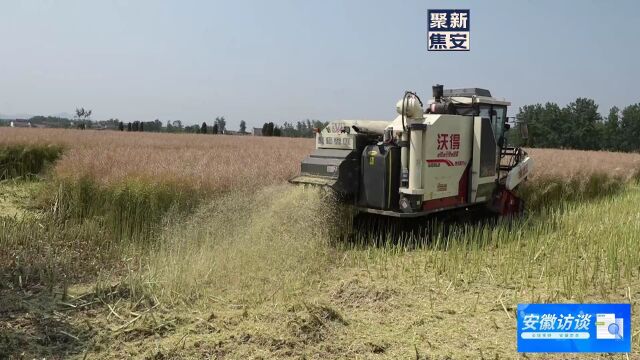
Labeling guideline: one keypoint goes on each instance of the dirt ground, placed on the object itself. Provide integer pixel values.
(356, 315)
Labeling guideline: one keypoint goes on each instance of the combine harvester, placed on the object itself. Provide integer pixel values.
(451, 157)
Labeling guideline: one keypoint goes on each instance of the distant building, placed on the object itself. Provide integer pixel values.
(21, 123)
(257, 132)
(94, 126)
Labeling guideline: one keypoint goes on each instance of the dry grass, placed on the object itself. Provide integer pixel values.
(210, 162)
(254, 273)
(244, 247)
(201, 162)
(569, 163)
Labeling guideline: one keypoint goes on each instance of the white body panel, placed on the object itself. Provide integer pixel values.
(447, 152)
(447, 148)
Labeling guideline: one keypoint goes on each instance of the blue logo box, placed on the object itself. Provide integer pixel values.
(449, 29)
(574, 328)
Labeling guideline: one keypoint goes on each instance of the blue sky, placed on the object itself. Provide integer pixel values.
(285, 60)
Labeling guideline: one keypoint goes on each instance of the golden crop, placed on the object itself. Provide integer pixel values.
(569, 163)
(221, 162)
(204, 162)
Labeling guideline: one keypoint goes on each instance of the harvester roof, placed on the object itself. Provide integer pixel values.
(466, 92)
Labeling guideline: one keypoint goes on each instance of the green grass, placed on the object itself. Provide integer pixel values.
(132, 211)
(26, 161)
(570, 251)
(18, 200)
(68, 230)
(236, 280)
(548, 192)
(267, 274)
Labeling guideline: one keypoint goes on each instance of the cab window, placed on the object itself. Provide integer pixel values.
(498, 121)
(498, 115)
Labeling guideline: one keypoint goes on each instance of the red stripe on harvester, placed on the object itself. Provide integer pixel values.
(460, 199)
(440, 203)
(444, 161)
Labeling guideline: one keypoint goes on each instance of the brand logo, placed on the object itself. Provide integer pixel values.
(448, 141)
(574, 328)
(449, 30)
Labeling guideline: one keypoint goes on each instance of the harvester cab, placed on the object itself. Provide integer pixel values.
(445, 154)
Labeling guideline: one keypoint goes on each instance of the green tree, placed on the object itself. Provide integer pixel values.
(222, 124)
(243, 127)
(611, 132)
(577, 125)
(203, 128)
(288, 130)
(582, 130)
(82, 116)
(195, 129)
(630, 128)
(540, 135)
(554, 122)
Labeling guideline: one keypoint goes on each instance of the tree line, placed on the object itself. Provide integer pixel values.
(579, 125)
(217, 126)
(300, 129)
(176, 126)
